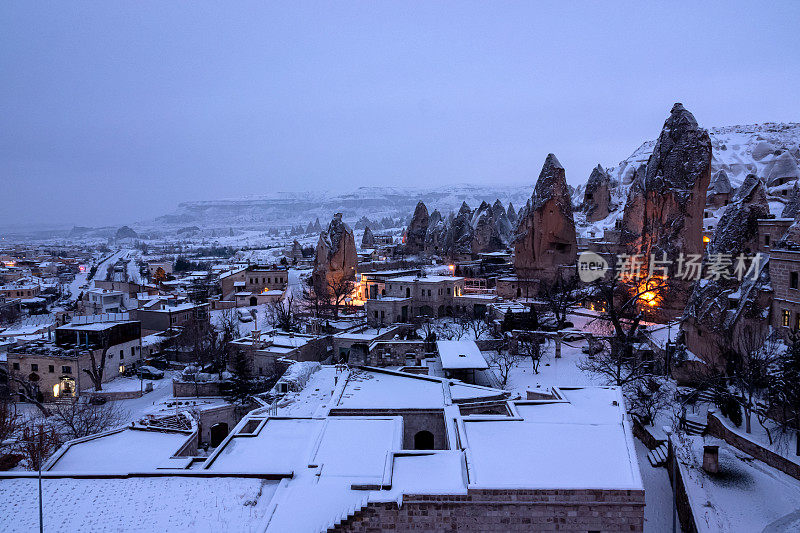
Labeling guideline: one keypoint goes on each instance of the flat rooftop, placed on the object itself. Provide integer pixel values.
(426, 279)
(582, 441)
(129, 450)
(461, 355)
(390, 390)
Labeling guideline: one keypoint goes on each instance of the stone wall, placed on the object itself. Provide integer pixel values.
(414, 421)
(190, 389)
(576, 511)
(718, 429)
(393, 353)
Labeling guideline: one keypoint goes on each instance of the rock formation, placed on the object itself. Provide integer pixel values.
(783, 170)
(719, 308)
(597, 196)
(126, 232)
(417, 228)
(486, 235)
(436, 234)
(511, 214)
(297, 251)
(368, 240)
(664, 210)
(719, 190)
(335, 259)
(546, 236)
(792, 207)
(459, 235)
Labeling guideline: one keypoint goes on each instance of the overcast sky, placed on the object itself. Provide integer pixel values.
(112, 112)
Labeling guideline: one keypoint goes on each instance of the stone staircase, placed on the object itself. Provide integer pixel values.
(658, 456)
(347, 515)
(695, 425)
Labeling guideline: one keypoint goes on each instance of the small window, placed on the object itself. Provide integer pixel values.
(66, 369)
(34, 367)
(766, 240)
(51, 369)
(133, 351)
(793, 280)
(16, 366)
(785, 314)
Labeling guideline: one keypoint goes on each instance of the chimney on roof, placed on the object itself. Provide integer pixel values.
(711, 458)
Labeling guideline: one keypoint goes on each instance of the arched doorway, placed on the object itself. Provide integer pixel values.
(423, 440)
(218, 433)
(253, 300)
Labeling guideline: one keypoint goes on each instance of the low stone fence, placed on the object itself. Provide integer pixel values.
(190, 389)
(649, 435)
(114, 395)
(685, 512)
(718, 428)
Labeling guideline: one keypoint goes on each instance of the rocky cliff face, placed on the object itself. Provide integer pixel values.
(417, 229)
(546, 229)
(721, 308)
(597, 195)
(664, 212)
(335, 258)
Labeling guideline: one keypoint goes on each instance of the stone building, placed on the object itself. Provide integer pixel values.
(56, 367)
(247, 283)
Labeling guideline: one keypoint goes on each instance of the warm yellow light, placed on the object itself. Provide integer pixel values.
(56, 390)
(706, 239)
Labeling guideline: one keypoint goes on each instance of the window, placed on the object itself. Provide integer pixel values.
(133, 351)
(766, 240)
(785, 318)
(16, 366)
(797, 321)
(448, 291)
(34, 367)
(66, 369)
(793, 280)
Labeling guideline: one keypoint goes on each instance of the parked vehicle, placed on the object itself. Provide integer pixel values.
(149, 372)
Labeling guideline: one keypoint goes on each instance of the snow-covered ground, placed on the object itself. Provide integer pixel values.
(746, 494)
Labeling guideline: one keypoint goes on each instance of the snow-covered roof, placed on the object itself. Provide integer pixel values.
(461, 355)
(583, 441)
(427, 279)
(168, 503)
(121, 451)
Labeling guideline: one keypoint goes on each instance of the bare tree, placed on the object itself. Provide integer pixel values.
(9, 420)
(283, 314)
(82, 418)
(750, 360)
(38, 442)
(98, 368)
(529, 345)
(561, 296)
(647, 398)
(27, 390)
(338, 290)
(503, 361)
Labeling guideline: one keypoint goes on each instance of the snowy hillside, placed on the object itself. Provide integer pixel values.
(766, 150)
(282, 210)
